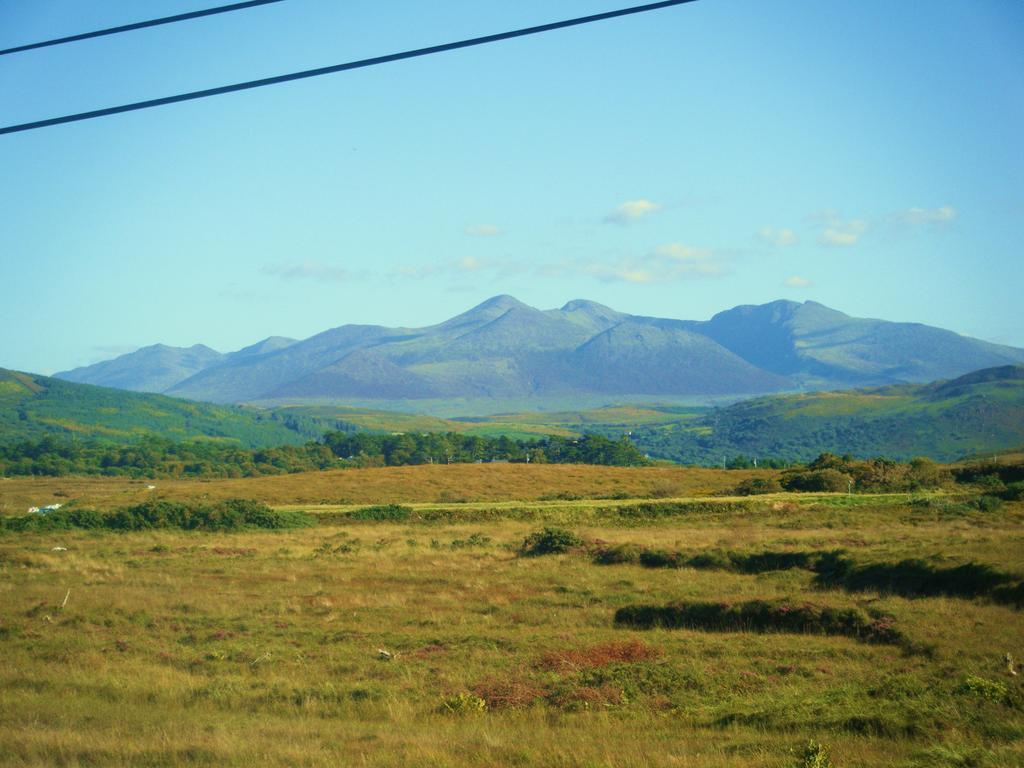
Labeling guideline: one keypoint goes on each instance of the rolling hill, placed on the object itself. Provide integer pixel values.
(33, 406)
(503, 350)
(818, 346)
(978, 413)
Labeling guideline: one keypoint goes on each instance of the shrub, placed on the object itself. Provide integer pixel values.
(85, 518)
(382, 512)
(987, 503)
(621, 553)
(474, 540)
(990, 690)
(762, 616)
(1013, 492)
(233, 514)
(817, 480)
(757, 485)
(660, 558)
(910, 578)
(549, 541)
(1011, 595)
(463, 704)
(815, 755)
(560, 496)
(712, 560)
(925, 473)
(990, 473)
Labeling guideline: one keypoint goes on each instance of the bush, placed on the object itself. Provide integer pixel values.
(383, 512)
(652, 510)
(817, 481)
(762, 616)
(990, 474)
(925, 473)
(990, 690)
(230, 515)
(712, 560)
(815, 755)
(758, 485)
(660, 558)
(52, 521)
(987, 503)
(910, 578)
(619, 554)
(463, 704)
(85, 518)
(1013, 492)
(550, 541)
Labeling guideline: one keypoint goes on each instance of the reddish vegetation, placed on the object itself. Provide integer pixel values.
(598, 656)
(510, 693)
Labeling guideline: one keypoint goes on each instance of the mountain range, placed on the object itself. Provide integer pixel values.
(503, 348)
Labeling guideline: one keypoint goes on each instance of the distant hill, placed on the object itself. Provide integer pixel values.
(151, 369)
(158, 368)
(978, 413)
(33, 406)
(819, 346)
(504, 350)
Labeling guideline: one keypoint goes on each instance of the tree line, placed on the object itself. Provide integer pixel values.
(154, 457)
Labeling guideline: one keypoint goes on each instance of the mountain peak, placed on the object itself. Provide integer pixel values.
(486, 311)
(585, 305)
(502, 301)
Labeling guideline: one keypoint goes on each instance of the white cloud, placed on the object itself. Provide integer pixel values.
(484, 230)
(681, 252)
(631, 210)
(671, 262)
(777, 237)
(916, 216)
(467, 265)
(835, 230)
(668, 263)
(795, 281)
(838, 231)
(310, 270)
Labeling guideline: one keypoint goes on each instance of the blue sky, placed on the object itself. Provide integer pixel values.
(867, 155)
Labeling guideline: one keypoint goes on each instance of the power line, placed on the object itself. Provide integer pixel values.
(137, 25)
(340, 67)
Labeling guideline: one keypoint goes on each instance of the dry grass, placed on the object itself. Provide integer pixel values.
(428, 483)
(180, 649)
(600, 655)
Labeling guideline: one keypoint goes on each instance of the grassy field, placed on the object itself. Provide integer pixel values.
(423, 483)
(167, 648)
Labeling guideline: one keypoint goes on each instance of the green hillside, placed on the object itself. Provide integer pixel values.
(978, 413)
(34, 406)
